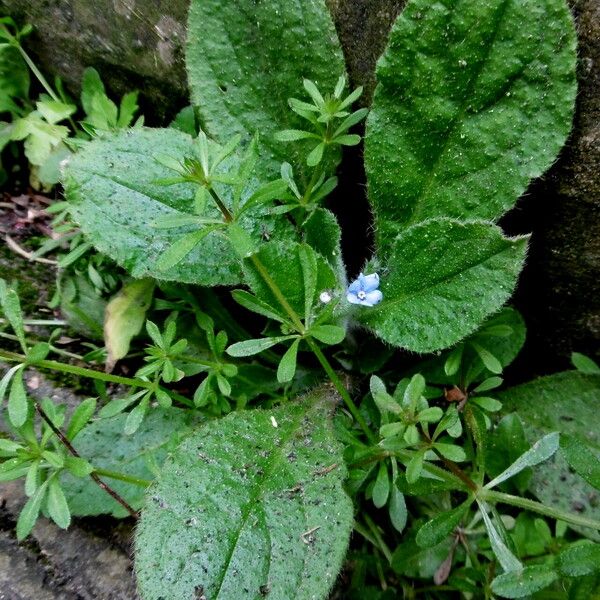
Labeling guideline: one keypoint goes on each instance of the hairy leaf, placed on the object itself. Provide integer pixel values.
(567, 402)
(245, 59)
(113, 186)
(518, 584)
(442, 280)
(471, 104)
(283, 266)
(106, 446)
(250, 503)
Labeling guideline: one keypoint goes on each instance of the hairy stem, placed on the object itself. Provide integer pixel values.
(542, 509)
(67, 444)
(80, 371)
(341, 389)
(277, 293)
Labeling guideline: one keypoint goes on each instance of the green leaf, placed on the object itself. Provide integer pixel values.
(470, 106)
(11, 307)
(14, 77)
(383, 401)
(444, 279)
(441, 526)
(78, 466)
(255, 305)
(54, 111)
(308, 263)
(112, 188)
(381, 489)
(40, 137)
(124, 317)
(328, 334)
(106, 446)
(506, 558)
(315, 155)
(518, 584)
(541, 451)
(127, 109)
(136, 416)
(30, 512)
(287, 366)
(269, 485)
(582, 457)
(579, 559)
(451, 452)
(242, 54)
(584, 364)
(565, 402)
(489, 360)
(323, 234)
(506, 443)
(18, 406)
(283, 266)
(91, 84)
(415, 467)
(397, 509)
(251, 347)
(181, 248)
(58, 509)
(6, 379)
(80, 417)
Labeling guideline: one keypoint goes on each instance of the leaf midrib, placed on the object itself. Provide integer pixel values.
(252, 504)
(458, 120)
(445, 279)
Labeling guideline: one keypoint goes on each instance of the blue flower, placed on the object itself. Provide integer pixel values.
(364, 290)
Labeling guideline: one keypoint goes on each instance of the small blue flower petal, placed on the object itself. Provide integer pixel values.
(355, 286)
(370, 282)
(353, 298)
(372, 298)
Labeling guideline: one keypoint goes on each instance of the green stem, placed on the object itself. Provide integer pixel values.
(37, 72)
(377, 535)
(342, 391)
(80, 371)
(224, 210)
(53, 349)
(123, 477)
(277, 293)
(542, 509)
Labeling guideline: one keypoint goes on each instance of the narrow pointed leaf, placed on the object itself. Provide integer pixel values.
(251, 347)
(17, 400)
(542, 450)
(441, 526)
(506, 558)
(58, 509)
(287, 366)
(256, 305)
(519, 584)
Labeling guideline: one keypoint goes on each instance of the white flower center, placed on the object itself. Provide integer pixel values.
(361, 295)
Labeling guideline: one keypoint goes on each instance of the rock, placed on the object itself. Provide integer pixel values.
(560, 286)
(134, 45)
